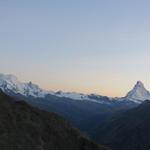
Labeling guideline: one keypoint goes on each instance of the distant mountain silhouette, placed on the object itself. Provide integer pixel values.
(23, 127)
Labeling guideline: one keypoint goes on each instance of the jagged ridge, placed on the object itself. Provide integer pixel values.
(10, 84)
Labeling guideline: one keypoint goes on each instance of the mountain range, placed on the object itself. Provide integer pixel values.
(84, 111)
(10, 84)
(121, 123)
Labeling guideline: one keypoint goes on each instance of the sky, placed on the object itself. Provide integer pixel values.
(88, 46)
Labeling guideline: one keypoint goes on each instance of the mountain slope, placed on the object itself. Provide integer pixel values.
(129, 130)
(26, 128)
(82, 114)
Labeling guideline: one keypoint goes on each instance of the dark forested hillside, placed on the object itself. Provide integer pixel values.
(26, 128)
(129, 130)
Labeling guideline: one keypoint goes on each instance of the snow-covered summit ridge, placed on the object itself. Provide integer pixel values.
(139, 93)
(10, 84)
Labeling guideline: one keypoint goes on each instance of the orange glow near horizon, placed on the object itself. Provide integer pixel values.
(106, 85)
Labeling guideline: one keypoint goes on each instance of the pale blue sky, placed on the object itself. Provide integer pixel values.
(100, 46)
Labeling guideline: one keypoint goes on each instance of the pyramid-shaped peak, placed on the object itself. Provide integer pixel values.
(139, 83)
(139, 92)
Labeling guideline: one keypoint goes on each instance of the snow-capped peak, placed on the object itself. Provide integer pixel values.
(10, 84)
(139, 84)
(8, 77)
(138, 93)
